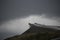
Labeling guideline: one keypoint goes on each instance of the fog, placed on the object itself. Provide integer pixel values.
(19, 25)
(16, 14)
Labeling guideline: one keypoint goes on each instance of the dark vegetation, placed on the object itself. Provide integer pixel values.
(37, 33)
(36, 36)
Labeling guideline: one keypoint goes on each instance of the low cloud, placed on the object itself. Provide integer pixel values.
(19, 25)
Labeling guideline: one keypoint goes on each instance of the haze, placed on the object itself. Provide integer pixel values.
(16, 14)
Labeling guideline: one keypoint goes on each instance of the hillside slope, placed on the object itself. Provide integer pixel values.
(40, 32)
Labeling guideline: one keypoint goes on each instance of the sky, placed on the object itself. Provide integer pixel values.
(16, 14)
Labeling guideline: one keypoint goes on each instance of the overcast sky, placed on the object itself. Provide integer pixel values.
(11, 9)
(15, 12)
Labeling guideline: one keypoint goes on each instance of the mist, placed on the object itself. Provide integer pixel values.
(16, 14)
(20, 25)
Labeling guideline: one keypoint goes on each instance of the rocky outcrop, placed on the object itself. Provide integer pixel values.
(36, 28)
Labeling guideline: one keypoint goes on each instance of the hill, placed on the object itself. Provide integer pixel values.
(38, 32)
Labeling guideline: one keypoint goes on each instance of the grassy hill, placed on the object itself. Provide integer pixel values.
(37, 33)
(36, 36)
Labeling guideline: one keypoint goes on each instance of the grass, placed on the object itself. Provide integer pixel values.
(36, 36)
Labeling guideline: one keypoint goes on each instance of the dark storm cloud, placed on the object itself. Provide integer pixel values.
(11, 9)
